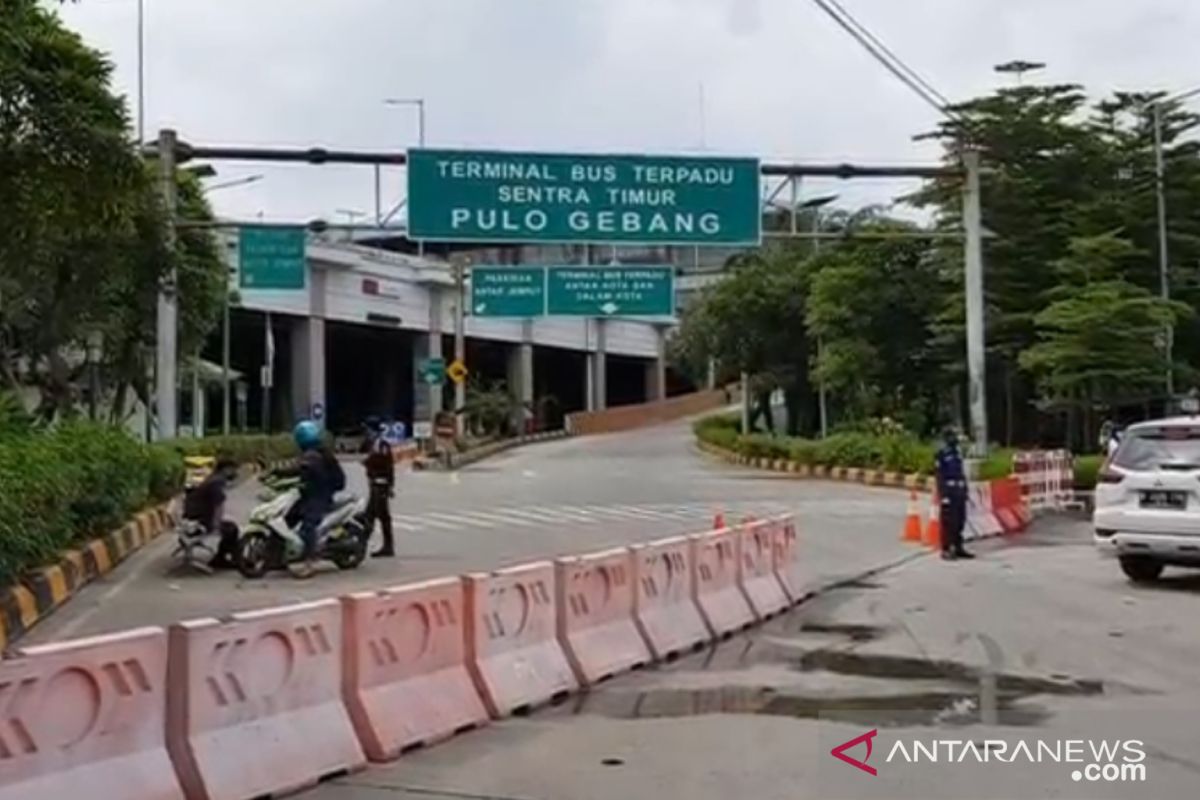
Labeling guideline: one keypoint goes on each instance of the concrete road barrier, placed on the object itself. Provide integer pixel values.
(596, 625)
(86, 719)
(255, 705)
(406, 681)
(664, 601)
(624, 418)
(715, 557)
(513, 651)
(785, 550)
(756, 568)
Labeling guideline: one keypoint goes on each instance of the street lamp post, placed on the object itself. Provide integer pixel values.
(141, 66)
(1164, 255)
(816, 204)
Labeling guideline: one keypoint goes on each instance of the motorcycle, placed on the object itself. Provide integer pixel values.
(268, 542)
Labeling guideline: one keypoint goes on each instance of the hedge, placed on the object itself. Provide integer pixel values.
(64, 485)
(72, 482)
(894, 452)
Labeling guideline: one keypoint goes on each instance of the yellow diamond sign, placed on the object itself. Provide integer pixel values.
(457, 371)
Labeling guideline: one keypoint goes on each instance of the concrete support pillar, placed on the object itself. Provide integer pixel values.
(598, 362)
(308, 354)
(427, 400)
(520, 377)
(308, 367)
(656, 370)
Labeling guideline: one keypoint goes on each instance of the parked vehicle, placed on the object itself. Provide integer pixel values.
(1147, 511)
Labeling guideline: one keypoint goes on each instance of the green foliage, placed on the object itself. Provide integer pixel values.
(14, 420)
(998, 464)
(76, 480)
(1087, 468)
(243, 449)
(82, 234)
(896, 451)
(489, 409)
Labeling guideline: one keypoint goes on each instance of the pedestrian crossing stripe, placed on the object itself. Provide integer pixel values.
(505, 516)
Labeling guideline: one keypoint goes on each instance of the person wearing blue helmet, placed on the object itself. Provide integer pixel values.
(321, 477)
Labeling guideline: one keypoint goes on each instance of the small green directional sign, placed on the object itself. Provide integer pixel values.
(508, 291)
(433, 371)
(271, 258)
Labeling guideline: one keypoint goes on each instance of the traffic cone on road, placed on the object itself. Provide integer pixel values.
(933, 531)
(912, 520)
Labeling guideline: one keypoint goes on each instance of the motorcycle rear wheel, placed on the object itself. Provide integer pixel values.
(254, 554)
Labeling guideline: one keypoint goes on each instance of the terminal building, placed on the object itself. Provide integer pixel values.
(352, 342)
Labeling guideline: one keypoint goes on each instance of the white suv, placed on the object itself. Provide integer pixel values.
(1148, 498)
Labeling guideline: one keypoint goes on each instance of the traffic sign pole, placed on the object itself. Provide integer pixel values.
(460, 343)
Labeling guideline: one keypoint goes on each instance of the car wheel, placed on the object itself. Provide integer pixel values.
(1140, 569)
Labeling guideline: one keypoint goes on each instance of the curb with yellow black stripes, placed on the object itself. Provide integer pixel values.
(867, 477)
(43, 590)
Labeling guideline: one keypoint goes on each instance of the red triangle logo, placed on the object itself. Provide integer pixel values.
(840, 752)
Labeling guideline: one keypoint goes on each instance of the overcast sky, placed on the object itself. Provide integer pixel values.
(780, 80)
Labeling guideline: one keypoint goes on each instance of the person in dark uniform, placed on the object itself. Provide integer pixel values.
(205, 504)
(952, 489)
(381, 477)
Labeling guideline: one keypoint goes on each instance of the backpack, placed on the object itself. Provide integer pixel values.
(337, 475)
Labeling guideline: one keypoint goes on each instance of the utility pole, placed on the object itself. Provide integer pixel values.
(1164, 255)
(225, 388)
(166, 350)
(460, 340)
(976, 368)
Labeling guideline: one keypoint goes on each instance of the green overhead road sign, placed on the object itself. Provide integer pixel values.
(271, 258)
(433, 371)
(508, 291)
(611, 291)
(461, 195)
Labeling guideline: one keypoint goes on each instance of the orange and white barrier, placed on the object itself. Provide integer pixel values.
(513, 654)
(1009, 504)
(664, 601)
(715, 558)
(255, 705)
(405, 677)
(785, 551)
(981, 518)
(1047, 478)
(86, 719)
(596, 627)
(756, 568)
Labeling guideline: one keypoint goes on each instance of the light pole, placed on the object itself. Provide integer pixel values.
(419, 103)
(1019, 67)
(816, 204)
(141, 59)
(226, 411)
(1164, 254)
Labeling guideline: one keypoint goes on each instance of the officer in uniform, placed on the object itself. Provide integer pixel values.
(381, 475)
(952, 489)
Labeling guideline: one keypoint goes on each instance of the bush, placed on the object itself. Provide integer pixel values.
(850, 450)
(763, 445)
(998, 464)
(804, 451)
(1087, 468)
(165, 472)
(244, 449)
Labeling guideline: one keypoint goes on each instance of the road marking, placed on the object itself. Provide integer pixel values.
(457, 517)
(423, 521)
(531, 517)
(507, 517)
(614, 511)
(404, 524)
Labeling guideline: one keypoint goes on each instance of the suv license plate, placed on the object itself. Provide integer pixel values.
(1165, 500)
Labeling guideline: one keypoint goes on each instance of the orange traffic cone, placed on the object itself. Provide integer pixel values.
(933, 531)
(719, 521)
(912, 520)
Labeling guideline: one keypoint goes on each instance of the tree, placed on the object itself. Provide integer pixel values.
(873, 305)
(81, 228)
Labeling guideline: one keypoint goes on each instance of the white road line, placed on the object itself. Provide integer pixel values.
(423, 521)
(529, 517)
(500, 517)
(620, 512)
(462, 519)
(551, 514)
(405, 525)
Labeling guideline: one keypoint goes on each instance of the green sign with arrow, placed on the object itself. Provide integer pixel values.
(508, 291)
(610, 291)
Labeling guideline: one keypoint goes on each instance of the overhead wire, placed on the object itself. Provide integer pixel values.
(885, 56)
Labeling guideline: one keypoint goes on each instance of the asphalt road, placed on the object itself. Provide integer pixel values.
(545, 500)
(1077, 656)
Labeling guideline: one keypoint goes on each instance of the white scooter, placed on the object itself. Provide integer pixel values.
(269, 543)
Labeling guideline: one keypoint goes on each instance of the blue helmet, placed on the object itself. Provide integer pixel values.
(307, 434)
